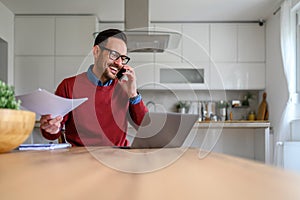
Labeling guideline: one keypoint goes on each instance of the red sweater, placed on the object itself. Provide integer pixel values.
(102, 119)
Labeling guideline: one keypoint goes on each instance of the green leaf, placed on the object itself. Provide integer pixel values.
(7, 97)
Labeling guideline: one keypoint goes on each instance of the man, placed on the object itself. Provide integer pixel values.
(103, 118)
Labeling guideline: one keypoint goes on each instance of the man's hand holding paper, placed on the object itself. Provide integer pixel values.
(52, 126)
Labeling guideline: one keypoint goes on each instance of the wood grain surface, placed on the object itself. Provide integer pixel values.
(78, 173)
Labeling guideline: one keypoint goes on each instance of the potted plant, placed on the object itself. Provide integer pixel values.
(15, 125)
(7, 97)
(247, 97)
(182, 106)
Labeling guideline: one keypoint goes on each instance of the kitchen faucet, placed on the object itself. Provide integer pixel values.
(151, 103)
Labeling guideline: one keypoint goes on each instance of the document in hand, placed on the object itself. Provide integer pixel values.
(43, 102)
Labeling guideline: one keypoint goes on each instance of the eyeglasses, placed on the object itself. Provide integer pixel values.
(114, 55)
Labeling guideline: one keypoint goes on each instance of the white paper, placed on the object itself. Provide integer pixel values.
(43, 102)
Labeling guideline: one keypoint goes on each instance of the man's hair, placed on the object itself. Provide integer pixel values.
(104, 35)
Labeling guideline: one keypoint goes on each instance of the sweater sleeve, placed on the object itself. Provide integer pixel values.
(137, 112)
(49, 136)
(60, 91)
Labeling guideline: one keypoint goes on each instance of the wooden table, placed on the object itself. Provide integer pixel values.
(94, 173)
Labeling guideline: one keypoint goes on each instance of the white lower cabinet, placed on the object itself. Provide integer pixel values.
(242, 142)
(237, 76)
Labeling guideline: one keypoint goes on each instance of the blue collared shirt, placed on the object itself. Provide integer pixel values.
(93, 78)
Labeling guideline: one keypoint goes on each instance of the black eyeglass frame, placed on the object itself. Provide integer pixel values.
(114, 55)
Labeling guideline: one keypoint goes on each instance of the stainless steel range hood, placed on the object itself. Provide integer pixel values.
(142, 38)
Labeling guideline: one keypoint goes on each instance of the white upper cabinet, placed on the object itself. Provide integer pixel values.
(169, 55)
(145, 75)
(106, 25)
(34, 35)
(67, 66)
(238, 56)
(51, 48)
(74, 35)
(181, 76)
(251, 43)
(195, 46)
(33, 72)
(223, 41)
(237, 76)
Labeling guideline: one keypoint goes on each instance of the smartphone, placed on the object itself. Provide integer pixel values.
(120, 73)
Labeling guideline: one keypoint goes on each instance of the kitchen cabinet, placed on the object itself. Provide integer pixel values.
(66, 66)
(145, 75)
(107, 25)
(50, 47)
(238, 56)
(237, 42)
(180, 76)
(231, 55)
(195, 42)
(33, 72)
(169, 55)
(251, 43)
(223, 41)
(251, 140)
(237, 76)
(34, 35)
(247, 140)
(74, 35)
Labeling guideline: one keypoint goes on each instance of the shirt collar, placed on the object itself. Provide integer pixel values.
(93, 78)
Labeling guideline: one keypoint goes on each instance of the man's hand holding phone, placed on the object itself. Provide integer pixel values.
(128, 84)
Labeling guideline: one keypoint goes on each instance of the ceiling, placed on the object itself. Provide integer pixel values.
(160, 10)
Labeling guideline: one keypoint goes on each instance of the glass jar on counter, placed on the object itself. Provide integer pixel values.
(251, 116)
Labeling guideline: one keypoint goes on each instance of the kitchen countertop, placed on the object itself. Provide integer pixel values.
(111, 173)
(229, 124)
(233, 124)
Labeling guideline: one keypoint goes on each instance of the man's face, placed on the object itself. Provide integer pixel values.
(105, 64)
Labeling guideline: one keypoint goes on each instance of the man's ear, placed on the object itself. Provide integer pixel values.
(96, 50)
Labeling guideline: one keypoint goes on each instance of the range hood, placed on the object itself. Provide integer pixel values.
(142, 38)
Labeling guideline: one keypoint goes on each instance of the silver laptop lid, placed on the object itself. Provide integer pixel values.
(160, 130)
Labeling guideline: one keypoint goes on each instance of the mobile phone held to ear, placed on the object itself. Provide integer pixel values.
(120, 73)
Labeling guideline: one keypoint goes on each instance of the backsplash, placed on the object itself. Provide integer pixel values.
(165, 100)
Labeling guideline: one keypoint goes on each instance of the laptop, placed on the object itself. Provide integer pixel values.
(159, 130)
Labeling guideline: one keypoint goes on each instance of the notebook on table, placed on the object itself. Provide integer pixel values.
(159, 130)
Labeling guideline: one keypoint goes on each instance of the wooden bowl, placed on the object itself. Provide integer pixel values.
(15, 127)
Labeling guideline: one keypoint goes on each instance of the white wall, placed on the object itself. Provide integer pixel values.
(276, 85)
(7, 34)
